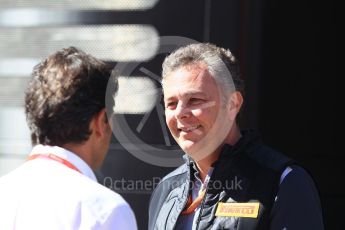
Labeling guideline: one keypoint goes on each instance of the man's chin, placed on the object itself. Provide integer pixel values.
(200, 149)
(188, 146)
(193, 149)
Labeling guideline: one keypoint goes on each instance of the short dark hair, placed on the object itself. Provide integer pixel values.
(65, 92)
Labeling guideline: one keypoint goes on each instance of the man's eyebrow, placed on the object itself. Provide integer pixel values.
(187, 94)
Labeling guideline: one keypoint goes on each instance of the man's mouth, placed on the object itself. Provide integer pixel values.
(189, 128)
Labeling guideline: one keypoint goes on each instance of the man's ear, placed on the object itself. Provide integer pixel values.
(100, 124)
(235, 102)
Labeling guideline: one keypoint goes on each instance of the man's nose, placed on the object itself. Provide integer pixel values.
(182, 111)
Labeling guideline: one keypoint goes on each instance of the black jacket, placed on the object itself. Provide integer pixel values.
(256, 166)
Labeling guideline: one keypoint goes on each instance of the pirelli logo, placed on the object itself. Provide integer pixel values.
(250, 210)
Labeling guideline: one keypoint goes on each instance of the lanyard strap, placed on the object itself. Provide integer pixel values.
(192, 205)
(54, 158)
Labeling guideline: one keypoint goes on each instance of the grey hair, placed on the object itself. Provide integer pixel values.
(221, 64)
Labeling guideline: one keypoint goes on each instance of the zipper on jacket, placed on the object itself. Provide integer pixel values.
(201, 207)
(185, 201)
(203, 200)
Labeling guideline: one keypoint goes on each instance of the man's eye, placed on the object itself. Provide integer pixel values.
(171, 105)
(196, 101)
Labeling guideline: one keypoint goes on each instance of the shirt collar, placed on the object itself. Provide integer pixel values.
(71, 157)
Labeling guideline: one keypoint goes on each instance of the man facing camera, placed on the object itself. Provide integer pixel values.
(230, 180)
(56, 187)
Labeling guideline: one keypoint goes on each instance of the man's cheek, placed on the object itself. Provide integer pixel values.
(168, 118)
(171, 123)
(197, 112)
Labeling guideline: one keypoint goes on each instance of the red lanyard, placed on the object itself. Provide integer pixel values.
(55, 158)
(192, 205)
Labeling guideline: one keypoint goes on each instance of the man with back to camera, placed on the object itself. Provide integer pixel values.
(56, 187)
(230, 179)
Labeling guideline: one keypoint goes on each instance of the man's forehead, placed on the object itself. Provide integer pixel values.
(187, 75)
(196, 70)
(186, 83)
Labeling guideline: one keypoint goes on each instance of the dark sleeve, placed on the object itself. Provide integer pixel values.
(297, 205)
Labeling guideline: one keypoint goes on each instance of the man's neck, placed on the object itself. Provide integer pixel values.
(205, 164)
(81, 151)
